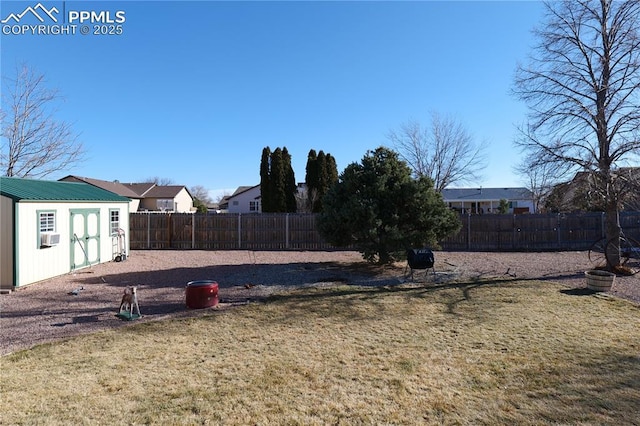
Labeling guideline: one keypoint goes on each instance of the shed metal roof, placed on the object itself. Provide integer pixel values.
(20, 189)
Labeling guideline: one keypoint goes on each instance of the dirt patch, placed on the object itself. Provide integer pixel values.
(87, 301)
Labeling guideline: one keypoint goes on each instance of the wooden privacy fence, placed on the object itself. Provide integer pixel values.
(297, 231)
(265, 231)
(536, 232)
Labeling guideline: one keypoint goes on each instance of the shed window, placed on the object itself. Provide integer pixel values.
(47, 221)
(114, 221)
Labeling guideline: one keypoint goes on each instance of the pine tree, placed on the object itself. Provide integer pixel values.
(378, 208)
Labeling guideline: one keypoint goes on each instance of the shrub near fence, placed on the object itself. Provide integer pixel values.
(297, 231)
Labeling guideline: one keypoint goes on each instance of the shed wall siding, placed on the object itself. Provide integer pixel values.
(37, 264)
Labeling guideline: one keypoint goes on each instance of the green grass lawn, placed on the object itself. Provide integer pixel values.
(513, 352)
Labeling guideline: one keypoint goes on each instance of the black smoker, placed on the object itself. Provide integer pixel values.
(420, 259)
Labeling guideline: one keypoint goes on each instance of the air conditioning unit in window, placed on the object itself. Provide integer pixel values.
(48, 239)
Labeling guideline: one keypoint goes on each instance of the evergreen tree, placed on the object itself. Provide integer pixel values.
(265, 182)
(380, 209)
(276, 180)
(322, 184)
(311, 178)
(322, 174)
(290, 185)
(332, 171)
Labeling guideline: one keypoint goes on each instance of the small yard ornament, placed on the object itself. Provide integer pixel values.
(129, 304)
(75, 291)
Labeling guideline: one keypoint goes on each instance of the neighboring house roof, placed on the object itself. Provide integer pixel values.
(131, 190)
(140, 188)
(224, 202)
(20, 189)
(116, 187)
(242, 189)
(480, 194)
(165, 191)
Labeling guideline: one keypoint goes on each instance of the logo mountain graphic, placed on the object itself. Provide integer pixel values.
(34, 11)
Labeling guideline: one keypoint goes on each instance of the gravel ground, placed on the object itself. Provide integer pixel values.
(46, 311)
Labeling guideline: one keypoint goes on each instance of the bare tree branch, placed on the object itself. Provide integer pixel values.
(160, 181)
(201, 193)
(34, 143)
(444, 151)
(582, 87)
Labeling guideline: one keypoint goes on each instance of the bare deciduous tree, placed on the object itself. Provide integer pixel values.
(34, 144)
(160, 181)
(540, 179)
(582, 86)
(201, 193)
(443, 151)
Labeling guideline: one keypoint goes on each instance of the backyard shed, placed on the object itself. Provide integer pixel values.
(50, 228)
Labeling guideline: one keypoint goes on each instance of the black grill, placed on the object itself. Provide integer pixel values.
(420, 258)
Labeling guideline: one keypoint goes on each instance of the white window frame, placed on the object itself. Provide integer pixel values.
(46, 223)
(114, 225)
(49, 222)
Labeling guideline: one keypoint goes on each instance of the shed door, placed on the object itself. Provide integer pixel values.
(85, 237)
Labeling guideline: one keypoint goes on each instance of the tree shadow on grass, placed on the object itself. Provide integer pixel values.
(579, 291)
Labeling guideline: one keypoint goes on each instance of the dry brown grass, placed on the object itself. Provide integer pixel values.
(515, 352)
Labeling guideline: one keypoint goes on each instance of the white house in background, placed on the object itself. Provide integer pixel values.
(246, 199)
(169, 198)
(50, 228)
(487, 200)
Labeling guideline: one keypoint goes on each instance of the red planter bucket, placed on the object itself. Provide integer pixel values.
(202, 294)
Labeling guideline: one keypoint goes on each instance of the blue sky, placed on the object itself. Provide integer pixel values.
(193, 91)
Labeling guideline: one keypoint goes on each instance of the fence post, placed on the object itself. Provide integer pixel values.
(286, 230)
(239, 231)
(148, 231)
(558, 231)
(193, 230)
(514, 231)
(468, 231)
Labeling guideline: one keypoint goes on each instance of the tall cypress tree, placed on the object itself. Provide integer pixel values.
(277, 182)
(322, 181)
(311, 178)
(290, 186)
(322, 174)
(332, 171)
(265, 181)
